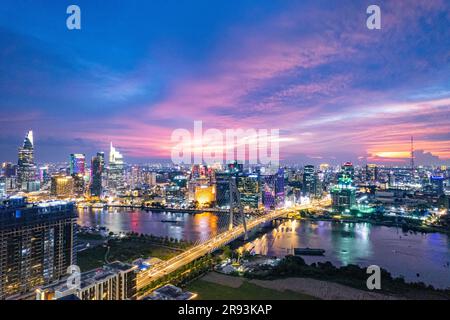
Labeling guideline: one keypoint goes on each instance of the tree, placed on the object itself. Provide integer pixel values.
(227, 252)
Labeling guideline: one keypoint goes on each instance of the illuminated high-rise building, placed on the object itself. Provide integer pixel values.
(97, 169)
(343, 195)
(371, 172)
(77, 164)
(116, 181)
(279, 187)
(2, 187)
(44, 175)
(268, 183)
(37, 244)
(62, 186)
(26, 169)
(222, 189)
(8, 170)
(348, 170)
(249, 189)
(437, 185)
(309, 185)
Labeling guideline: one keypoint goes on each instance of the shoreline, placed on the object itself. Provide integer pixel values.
(352, 276)
(212, 284)
(406, 227)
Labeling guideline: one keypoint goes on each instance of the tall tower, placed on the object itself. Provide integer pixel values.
(97, 169)
(235, 204)
(77, 163)
(26, 168)
(37, 245)
(116, 177)
(412, 157)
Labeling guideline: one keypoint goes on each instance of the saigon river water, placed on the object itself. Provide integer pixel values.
(364, 244)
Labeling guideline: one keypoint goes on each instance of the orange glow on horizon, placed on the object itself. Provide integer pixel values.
(393, 154)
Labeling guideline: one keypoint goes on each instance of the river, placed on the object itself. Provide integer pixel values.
(364, 244)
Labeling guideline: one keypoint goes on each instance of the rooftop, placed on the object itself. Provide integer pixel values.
(170, 292)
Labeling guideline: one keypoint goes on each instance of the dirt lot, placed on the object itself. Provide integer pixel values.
(315, 288)
(321, 289)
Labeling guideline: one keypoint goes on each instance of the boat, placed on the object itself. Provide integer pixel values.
(169, 221)
(308, 252)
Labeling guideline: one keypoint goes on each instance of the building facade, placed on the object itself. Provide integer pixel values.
(97, 170)
(309, 185)
(26, 168)
(115, 281)
(116, 177)
(77, 164)
(62, 186)
(36, 244)
(343, 195)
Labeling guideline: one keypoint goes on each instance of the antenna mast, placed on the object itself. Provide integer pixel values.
(412, 157)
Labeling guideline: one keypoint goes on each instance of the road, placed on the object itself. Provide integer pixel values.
(146, 277)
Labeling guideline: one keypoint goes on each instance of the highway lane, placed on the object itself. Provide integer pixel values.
(171, 265)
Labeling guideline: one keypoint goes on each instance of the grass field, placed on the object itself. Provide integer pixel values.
(247, 291)
(123, 250)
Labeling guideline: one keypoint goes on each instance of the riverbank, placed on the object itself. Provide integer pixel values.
(405, 227)
(350, 276)
(215, 286)
(128, 249)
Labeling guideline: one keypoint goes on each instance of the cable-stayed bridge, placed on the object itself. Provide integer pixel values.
(235, 230)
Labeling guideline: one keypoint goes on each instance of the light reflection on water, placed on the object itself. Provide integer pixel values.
(345, 243)
(365, 244)
(199, 227)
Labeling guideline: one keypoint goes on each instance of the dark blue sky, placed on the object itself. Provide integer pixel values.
(140, 69)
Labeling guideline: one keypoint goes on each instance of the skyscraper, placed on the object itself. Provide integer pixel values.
(343, 195)
(268, 191)
(44, 175)
(62, 186)
(77, 164)
(249, 188)
(309, 180)
(26, 171)
(116, 171)
(371, 172)
(8, 169)
(348, 170)
(97, 169)
(2, 188)
(36, 244)
(279, 187)
(437, 185)
(223, 189)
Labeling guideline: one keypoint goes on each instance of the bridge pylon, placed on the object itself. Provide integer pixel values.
(235, 204)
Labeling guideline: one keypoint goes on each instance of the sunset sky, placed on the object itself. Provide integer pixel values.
(140, 69)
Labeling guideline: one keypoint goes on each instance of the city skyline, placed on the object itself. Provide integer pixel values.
(337, 91)
(419, 158)
(227, 150)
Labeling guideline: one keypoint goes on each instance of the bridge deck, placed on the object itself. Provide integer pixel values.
(145, 278)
